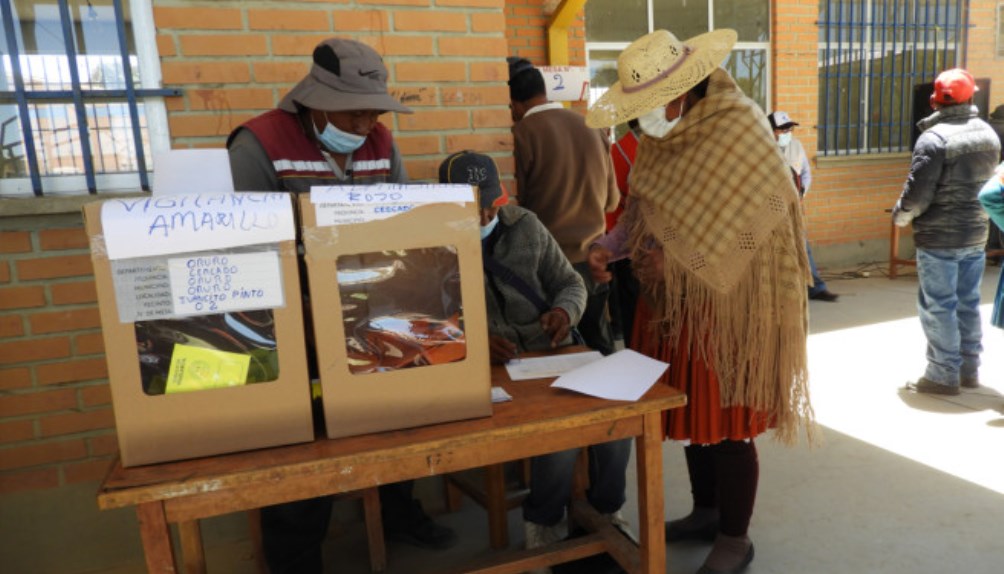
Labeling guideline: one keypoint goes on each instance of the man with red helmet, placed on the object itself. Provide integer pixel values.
(954, 156)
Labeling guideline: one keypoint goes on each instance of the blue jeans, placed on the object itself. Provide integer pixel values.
(818, 285)
(551, 481)
(949, 305)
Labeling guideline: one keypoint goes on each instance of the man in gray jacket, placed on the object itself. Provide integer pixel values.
(534, 298)
(954, 156)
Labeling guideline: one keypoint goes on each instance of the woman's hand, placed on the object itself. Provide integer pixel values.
(650, 266)
(598, 259)
(556, 324)
(500, 350)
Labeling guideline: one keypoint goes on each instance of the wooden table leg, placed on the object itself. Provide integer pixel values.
(495, 504)
(156, 536)
(193, 555)
(893, 252)
(374, 530)
(648, 449)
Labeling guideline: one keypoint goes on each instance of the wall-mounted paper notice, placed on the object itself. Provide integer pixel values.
(348, 204)
(186, 171)
(203, 284)
(140, 227)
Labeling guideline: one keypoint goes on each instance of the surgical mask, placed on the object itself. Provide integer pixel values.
(486, 230)
(784, 140)
(655, 124)
(338, 141)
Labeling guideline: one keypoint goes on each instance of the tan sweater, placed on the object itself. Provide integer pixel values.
(564, 175)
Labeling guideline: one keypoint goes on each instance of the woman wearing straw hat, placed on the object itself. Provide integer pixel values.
(715, 233)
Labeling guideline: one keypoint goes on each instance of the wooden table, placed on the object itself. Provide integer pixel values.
(539, 420)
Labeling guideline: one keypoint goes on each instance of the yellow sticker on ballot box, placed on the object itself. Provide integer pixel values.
(198, 369)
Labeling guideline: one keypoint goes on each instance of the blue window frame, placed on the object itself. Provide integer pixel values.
(75, 111)
(872, 53)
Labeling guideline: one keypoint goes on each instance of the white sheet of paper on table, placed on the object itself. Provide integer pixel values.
(624, 376)
(499, 395)
(551, 366)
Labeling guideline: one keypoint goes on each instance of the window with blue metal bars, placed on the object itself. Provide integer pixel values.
(872, 54)
(73, 108)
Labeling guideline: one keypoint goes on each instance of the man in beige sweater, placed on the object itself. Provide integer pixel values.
(564, 175)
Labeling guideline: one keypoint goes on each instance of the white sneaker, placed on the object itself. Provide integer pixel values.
(620, 523)
(538, 535)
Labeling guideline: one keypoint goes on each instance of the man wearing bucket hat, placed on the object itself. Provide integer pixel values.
(783, 126)
(326, 132)
(714, 231)
(954, 156)
(565, 176)
(534, 297)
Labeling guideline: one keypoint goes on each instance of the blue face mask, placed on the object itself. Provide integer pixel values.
(338, 141)
(486, 230)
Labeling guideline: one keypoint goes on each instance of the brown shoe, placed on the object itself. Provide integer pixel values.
(970, 382)
(930, 387)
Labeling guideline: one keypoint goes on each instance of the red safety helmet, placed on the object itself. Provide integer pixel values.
(955, 86)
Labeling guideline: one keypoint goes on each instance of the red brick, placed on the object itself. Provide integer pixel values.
(485, 143)
(88, 344)
(466, 46)
(104, 444)
(223, 45)
(42, 453)
(303, 20)
(96, 395)
(415, 96)
(57, 239)
(423, 169)
(287, 72)
(54, 267)
(71, 371)
(491, 118)
(165, 46)
(299, 45)
(400, 44)
(422, 3)
(39, 479)
(22, 297)
(475, 96)
(429, 21)
(70, 423)
(230, 99)
(11, 326)
(74, 292)
(198, 18)
(203, 124)
(473, 3)
(23, 351)
(16, 431)
(197, 72)
(90, 471)
(13, 405)
(418, 145)
(488, 72)
(487, 22)
(17, 378)
(429, 72)
(356, 20)
(62, 321)
(15, 242)
(433, 120)
(4, 272)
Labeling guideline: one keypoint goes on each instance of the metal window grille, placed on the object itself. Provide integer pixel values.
(71, 112)
(872, 53)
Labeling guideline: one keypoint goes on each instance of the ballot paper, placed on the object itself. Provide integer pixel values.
(499, 395)
(551, 366)
(624, 376)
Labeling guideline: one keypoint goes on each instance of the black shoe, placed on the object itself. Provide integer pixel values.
(678, 531)
(930, 387)
(424, 534)
(824, 295)
(970, 382)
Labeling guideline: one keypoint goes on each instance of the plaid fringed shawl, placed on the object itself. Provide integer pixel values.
(719, 197)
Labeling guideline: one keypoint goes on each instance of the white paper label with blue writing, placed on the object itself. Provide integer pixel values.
(348, 204)
(142, 289)
(204, 284)
(147, 226)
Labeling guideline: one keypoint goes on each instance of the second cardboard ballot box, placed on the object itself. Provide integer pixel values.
(202, 321)
(397, 298)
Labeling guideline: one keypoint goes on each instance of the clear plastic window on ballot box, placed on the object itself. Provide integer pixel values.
(401, 309)
(202, 320)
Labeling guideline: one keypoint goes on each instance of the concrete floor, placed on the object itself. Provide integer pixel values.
(901, 483)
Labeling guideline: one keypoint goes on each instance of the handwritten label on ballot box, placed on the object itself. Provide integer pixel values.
(202, 284)
(566, 83)
(349, 204)
(142, 227)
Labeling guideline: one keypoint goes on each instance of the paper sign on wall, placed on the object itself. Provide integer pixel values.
(349, 204)
(140, 227)
(221, 283)
(566, 83)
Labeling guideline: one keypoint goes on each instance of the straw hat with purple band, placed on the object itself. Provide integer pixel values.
(655, 69)
(475, 169)
(346, 76)
(781, 121)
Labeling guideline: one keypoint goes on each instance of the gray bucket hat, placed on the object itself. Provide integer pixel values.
(346, 75)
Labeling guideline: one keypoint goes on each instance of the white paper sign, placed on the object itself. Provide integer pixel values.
(187, 171)
(147, 226)
(566, 83)
(624, 376)
(142, 290)
(550, 366)
(348, 204)
(203, 284)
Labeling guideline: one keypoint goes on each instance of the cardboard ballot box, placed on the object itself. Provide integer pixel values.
(202, 319)
(398, 303)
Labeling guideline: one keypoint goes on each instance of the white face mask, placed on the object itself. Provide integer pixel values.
(784, 140)
(655, 124)
(486, 230)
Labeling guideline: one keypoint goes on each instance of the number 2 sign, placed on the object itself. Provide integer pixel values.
(566, 83)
